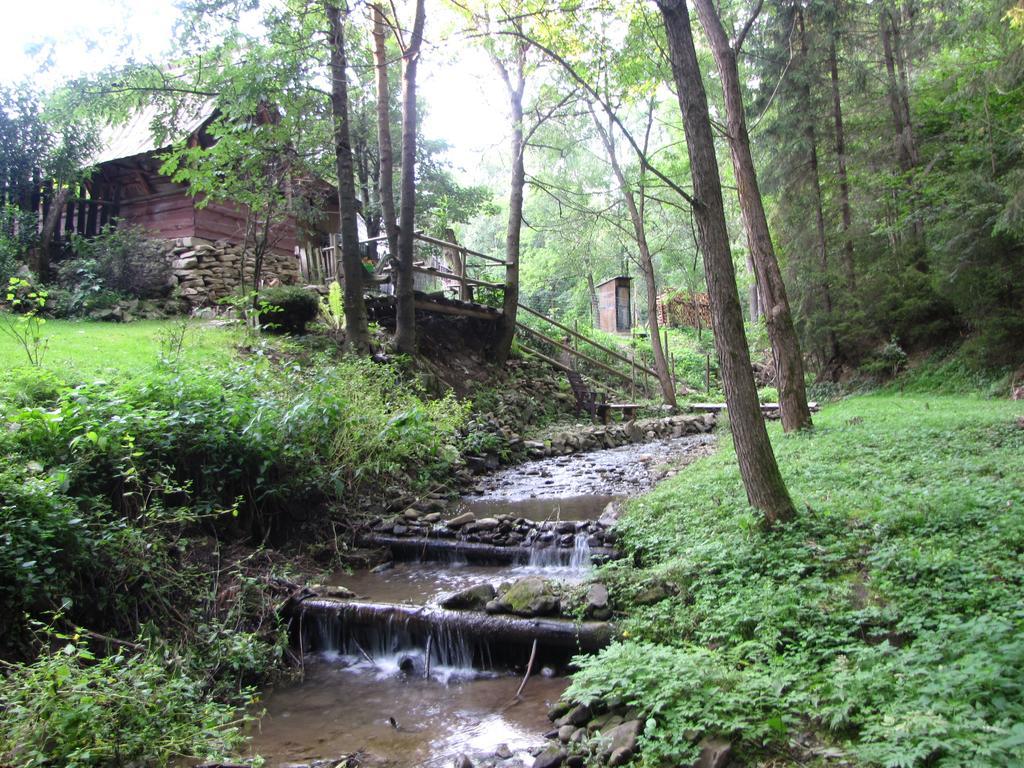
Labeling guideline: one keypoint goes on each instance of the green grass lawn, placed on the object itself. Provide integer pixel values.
(886, 623)
(82, 350)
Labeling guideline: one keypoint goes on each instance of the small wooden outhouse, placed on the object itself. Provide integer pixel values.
(614, 310)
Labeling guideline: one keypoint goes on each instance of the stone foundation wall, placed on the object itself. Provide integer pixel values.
(204, 271)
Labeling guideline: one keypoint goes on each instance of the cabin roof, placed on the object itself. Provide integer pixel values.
(136, 136)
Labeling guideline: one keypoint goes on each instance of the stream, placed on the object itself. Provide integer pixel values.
(423, 690)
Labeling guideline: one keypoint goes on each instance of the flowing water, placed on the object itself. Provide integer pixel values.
(427, 583)
(403, 692)
(344, 706)
(541, 508)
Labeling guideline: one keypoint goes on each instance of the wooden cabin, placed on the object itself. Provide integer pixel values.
(614, 307)
(127, 177)
(126, 187)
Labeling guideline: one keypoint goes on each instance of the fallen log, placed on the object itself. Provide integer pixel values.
(420, 548)
(584, 636)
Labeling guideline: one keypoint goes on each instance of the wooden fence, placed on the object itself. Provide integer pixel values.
(81, 212)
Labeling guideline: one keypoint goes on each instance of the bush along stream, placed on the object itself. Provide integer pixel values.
(135, 521)
(153, 522)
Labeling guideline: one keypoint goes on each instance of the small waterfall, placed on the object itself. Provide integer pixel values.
(397, 645)
(578, 558)
(580, 553)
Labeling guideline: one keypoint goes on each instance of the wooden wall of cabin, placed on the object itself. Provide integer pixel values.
(166, 209)
(226, 221)
(145, 198)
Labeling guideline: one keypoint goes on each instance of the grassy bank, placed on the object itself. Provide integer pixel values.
(883, 626)
(85, 349)
(143, 471)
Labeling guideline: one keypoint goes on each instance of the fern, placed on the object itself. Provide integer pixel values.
(332, 309)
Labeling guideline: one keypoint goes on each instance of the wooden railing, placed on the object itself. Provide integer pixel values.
(455, 276)
(452, 270)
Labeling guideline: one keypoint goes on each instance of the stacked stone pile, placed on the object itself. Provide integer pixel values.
(204, 271)
(501, 530)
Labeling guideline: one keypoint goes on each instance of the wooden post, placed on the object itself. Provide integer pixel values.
(92, 217)
(632, 374)
(69, 219)
(707, 373)
(464, 293)
(83, 207)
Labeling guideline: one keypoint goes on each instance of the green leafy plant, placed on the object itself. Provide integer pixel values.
(885, 618)
(332, 311)
(124, 260)
(287, 309)
(887, 360)
(73, 708)
(82, 289)
(172, 341)
(26, 325)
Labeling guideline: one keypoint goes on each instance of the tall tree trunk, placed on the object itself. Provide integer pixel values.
(899, 94)
(765, 487)
(821, 240)
(387, 163)
(778, 317)
(510, 303)
(907, 156)
(363, 164)
(843, 179)
(668, 392)
(592, 294)
(405, 309)
(356, 329)
(40, 261)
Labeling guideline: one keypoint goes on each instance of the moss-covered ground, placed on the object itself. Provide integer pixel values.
(884, 626)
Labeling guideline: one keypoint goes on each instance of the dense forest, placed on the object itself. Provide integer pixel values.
(210, 434)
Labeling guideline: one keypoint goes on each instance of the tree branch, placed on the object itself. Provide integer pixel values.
(737, 46)
(609, 111)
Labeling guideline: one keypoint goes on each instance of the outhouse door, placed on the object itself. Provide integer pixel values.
(622, 313)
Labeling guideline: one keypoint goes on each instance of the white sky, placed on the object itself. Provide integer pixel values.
(50, 41)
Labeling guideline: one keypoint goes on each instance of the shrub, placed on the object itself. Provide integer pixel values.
(126, 261)
(288, 308)
(886, 361)
(82, 289)
(17, 234)
(73, 709)
(282, 439)
(43, 541)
